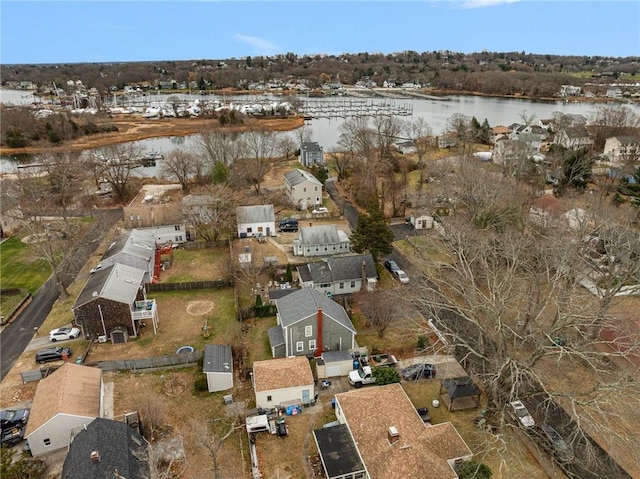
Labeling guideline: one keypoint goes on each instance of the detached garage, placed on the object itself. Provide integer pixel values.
(218, 367)
(334, 364)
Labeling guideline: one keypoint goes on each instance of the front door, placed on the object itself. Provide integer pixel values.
(305, 396)
(268, 231)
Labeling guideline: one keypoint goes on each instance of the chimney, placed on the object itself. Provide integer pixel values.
(95, 456)
(318, 351)
(393, 435)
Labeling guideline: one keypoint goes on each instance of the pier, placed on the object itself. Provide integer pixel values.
(350, 108)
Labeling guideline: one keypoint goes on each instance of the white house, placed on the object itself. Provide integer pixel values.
(218, 367)
(135, 248)
(257, 220)
(619, 149)
(68, 399)
(321, 241)
(302, 188)
(175, 233)
(422, 221)
(277, 382)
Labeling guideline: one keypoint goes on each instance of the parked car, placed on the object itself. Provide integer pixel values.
(61, 334)
(12, 418)
(401, 276)
(52, 354)
(550, 440)
(288, 224)
(418, 371)
(391, 266)
(96, 268)
(12, 436)
(320, 209)
(520, 414)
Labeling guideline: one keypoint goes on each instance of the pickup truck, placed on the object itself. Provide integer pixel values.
(361, 377)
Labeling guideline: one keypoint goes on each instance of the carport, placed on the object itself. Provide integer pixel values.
(460, 393)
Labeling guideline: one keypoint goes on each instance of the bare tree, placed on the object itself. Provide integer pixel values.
(179, 165)
(304, 134)
(261, 147)
(380, 309)
(220, 146)
(116, 164)
(287, 146)
(211, 211)
(612, 120)
(342, 162)
(420, 133)
(461, 125)
(212, 441)
(153, 414)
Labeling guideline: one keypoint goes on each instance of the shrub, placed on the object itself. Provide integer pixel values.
(421, 343)
(200, 384)
(473, 470)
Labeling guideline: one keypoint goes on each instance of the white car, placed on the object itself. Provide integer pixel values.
(97, 267)
(320, 209)
(62, 334)
(401, 275)
(519, 412)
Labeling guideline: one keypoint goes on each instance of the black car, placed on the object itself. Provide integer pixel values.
(550, 440)
(12, 436)
(391, 265)
(418, 371)
(52, 354)
(11, 418)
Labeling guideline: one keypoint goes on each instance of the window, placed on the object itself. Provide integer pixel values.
(179, 238)
(312, 344)
(353, 284)
(316, 188)
(304, 189)
(268, 398)
(341, 285)
(47, 442)
(299, 346)
(260, 229)
(177, 227)
(249, 230)
(308, 331)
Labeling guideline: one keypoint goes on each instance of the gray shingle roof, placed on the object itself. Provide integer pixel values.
(217, 359)
(311, 235)
(310, 146)
(276, 336)
(298, 176)
(338, 268)
(120, 448)
(255, 214)
(118, 283)
(135, 243)
(305, 303)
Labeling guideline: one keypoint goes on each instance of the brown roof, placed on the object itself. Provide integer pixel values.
(281, 373)
(419, 448)
(72, 389)
(500, 129)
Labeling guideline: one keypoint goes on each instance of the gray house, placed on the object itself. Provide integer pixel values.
(321, 241)
(302, 188)
(342, 274)
(309, 322)
(311, 154)
(257, 220)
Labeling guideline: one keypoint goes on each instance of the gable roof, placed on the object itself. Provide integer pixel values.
(217, 359)
(255, 214)
(281, 373)
(122, 452)
(298, 176)
(72, 389)
(117, 282)
(305, 302)
(321, 235)
(310, 146)
(419, 448)
(139, 243)
(339, 268)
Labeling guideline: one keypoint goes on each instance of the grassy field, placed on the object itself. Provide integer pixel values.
(20, 267)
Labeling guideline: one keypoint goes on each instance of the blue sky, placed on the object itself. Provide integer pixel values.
(95, 31)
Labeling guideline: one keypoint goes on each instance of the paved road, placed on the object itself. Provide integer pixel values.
(15, 337)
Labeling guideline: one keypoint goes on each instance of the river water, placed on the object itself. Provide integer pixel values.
(326, 131)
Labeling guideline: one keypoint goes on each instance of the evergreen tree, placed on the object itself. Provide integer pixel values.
(372, 234)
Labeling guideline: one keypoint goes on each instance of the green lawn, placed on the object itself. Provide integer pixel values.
(20, 268)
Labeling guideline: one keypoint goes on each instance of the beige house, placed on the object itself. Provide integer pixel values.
(303, 189)
(391, 438)
(278, 382)
(622, 149)
(68, 399)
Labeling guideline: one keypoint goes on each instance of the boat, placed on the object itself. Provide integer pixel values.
(149, 158)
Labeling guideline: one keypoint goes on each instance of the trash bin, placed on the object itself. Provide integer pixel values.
(333, 403)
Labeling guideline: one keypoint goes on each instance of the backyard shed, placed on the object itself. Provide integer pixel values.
(460, 393)
(218, 367)
(333, 364)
